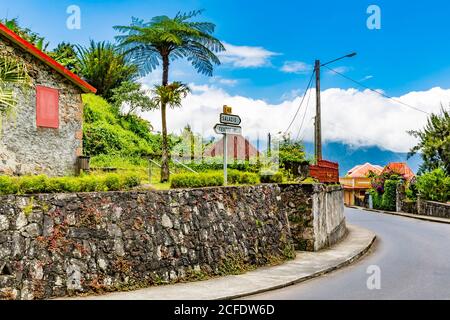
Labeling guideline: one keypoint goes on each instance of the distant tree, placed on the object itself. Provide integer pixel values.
(165, 39)
(131, 95)
(434, 186)
(25, 33)
(66, 54)
(434, 143)
(105, 67)
(172, 96)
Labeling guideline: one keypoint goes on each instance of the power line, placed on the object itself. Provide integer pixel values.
(376, 91)
(301, 103)
(304, 131)
(304, 115)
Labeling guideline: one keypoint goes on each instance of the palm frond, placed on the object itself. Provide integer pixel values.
(182, 17)
(7, 100)
(12, 71)
(145, 44)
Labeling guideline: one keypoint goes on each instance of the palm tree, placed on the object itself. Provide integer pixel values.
(170, 95)
(163, 40)
(103, 66)
(12, 72)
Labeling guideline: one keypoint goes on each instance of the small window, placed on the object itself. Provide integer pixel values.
(47, 107)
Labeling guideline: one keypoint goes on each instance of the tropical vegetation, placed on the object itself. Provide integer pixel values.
(13, 73)
(115, 137)
(434, 143)
(434, 186)
(162, 40)
(84, 183)
(105, 67)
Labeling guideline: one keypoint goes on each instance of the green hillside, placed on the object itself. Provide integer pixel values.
(106, 131)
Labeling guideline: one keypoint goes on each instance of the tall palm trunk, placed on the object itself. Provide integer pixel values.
(165, 173)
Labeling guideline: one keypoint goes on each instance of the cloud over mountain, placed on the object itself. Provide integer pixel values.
(353, 117)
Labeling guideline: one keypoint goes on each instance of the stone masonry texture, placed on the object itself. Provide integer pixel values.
(63, 244)
(27, 149)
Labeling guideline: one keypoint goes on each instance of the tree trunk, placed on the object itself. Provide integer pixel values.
(165, 173)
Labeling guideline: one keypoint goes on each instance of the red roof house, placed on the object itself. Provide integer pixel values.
(363, 171)
(400, 168)
(239, 148)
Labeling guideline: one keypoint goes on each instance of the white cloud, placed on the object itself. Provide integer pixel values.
(366, 78)
(226, 82)
(359, 118)
(246, 56)
(296, 67)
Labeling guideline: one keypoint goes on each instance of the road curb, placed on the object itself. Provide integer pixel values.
(331, 269)
(406, 215)
(306, 266)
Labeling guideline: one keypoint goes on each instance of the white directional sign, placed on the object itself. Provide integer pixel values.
(226, 129)
(230, 119)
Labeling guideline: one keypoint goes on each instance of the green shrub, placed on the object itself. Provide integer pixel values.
(105, 131)
(193, 180)
(238, 177)
(8, 185)
(131, 181)
(86, 183)
(389, 201)
(32, 184)
(271, 177)
(434, 186)
(376, 199)
(212, 179)
(113, 182)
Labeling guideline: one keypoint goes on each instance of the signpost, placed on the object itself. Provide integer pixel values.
(229, 124)
(230, 119)
(227, 129)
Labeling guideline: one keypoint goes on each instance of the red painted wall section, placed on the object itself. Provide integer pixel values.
(47, 107)
(325, 172)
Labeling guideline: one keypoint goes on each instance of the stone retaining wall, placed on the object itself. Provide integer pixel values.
(57, 245)
(433, 209)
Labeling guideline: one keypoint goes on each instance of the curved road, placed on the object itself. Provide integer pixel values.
(413, 257)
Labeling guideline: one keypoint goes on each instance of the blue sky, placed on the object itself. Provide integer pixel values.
(409, 53)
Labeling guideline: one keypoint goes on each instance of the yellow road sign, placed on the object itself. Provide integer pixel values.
(227, 110)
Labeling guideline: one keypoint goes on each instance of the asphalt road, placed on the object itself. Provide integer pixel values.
(413, 257)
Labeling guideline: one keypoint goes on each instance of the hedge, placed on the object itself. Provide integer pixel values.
(212, 179)
(389, 200)
(434, 186)
(87, 183)
(271, 177)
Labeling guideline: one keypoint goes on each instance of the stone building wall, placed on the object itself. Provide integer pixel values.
(56, 245)
(26, 149)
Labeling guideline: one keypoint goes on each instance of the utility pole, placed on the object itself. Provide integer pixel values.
(318, 122)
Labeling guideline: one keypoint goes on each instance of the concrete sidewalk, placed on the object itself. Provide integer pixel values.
(306, 266)
(407, 215)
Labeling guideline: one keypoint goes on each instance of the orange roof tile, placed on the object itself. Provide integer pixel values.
(401, 168)
(362, 171)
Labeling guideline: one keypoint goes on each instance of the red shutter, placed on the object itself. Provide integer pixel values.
(47, 107)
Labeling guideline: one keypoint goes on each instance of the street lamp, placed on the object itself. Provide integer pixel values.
(318, 122)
